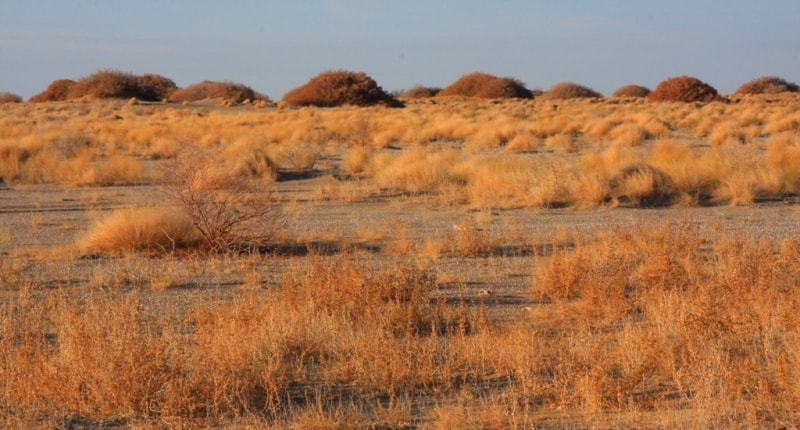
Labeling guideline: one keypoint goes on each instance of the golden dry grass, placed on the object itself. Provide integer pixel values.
(661, 325)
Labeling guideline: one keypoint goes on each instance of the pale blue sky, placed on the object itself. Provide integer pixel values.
(274, 46)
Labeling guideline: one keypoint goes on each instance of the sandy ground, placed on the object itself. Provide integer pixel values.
(41, 225)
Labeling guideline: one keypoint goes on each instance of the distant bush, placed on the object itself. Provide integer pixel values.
(570, 90)
(234, 92)
(767, 85)
(632, 91)
(340, 87)
(684, 89)
(419, 92)
(7, 97)
(487, 86)
(152, 87)
(58, 90)
(109, 84)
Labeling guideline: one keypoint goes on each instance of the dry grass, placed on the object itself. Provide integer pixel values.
(658, 326)
(150, 230)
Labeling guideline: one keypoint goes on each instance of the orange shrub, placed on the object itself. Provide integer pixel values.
(569, 90)
(226, 90)
(632, 91)
(767, 85)
(487, 86)
(684, 89)
(58, 90)
(7, 97)
(340, 87)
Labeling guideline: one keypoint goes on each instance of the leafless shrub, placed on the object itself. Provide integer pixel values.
(231, 91)
(340, 87)
(484, 85)
(232, 212)
(58, 90)
(570, 90)
(419, 92)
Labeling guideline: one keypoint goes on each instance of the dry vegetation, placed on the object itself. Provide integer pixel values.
(209, 90)
(219, 303)
(340, 87)
(570, 90)
(684, 89)
(484, 85)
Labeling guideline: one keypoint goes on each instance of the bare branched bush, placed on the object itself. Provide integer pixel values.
(419, 92)
(684, 89)
(340, 87)
(232, 212)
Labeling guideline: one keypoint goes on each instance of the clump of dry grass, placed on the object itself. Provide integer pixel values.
(484, 85)
(767, 85)
(225, 90)
(684, 89)
(569, 90)
(151, 230)
(632, 91)
(340, 87)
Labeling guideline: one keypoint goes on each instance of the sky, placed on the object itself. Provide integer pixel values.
(273, 46)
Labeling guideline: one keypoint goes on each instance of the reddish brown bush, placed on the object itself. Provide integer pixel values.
(570, 90)
(340, 87)
(58, 90)
(632, 91)
(767, 85)
(105, 84)
(152, 87)
(684, 89)
(226, 90)
(7, 97)
(419, 92)
(487, 86)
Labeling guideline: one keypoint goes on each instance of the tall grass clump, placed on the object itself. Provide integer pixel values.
(225, 90)
(570, 90)
(767, 85)
(484, 85)
(149, 230)
(340, 87)
(684, 89)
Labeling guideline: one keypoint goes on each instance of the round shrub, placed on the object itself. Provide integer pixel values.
(419, 92)
(230, 91)
(767, 85)
(152, 87)
(570, 90)
(684, 89)
(7, 97)
(632, 91)
(105, 84)
(487, 86)
(58, 90)
(340, 87)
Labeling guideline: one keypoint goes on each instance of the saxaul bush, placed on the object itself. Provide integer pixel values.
(226, 90)
(684, 89)
(232, 212)
(767, 85)
(340, 87)
(484, 85)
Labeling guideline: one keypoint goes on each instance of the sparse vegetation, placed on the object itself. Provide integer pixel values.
(684, 89)
(109, 84)
(458, 263)
(340, 87)
(484, 85)
(419, 92)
